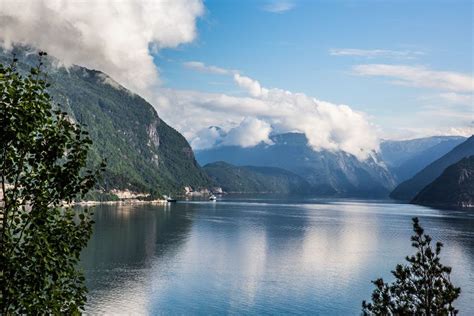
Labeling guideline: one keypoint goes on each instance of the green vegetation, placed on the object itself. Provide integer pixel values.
(143, 153)
(453, 188)
(95, 195)
(43, 166)
(251, 179)
(421, 288)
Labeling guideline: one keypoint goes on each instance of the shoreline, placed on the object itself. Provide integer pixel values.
(120, 202)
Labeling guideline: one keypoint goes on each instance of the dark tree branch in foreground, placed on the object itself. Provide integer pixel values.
(422, 287)
(43, 169)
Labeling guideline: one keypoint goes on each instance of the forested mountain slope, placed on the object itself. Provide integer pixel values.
(251, 179)
(143, 153)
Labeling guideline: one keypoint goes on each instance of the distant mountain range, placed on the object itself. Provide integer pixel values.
(407, 157)
(328, 173)
(408, 189)
(341, 174)
(143, 153)
(454, 187)
(251, 179)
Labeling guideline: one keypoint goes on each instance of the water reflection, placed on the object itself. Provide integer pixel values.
(260, 256)
(125, 243)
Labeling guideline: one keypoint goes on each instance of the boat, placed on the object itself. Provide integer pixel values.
(169, 199)
(212, 197)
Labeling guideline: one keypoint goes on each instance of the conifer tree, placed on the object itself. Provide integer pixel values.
(421, 287)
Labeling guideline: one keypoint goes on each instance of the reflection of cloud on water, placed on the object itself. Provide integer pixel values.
(322, 244)
(333, 252)
(252, 259)
(226, 265)
(119, 259)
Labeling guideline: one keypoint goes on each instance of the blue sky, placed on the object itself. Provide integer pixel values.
(301, 49)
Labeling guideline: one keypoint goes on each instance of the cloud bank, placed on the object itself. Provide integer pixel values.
(250, 120)
(113, 36)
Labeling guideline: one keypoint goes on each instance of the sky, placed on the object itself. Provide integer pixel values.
(345, 73)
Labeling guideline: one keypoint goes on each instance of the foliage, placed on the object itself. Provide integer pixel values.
(423, 287)
(250, 179)
(95, 195)
(43, 168)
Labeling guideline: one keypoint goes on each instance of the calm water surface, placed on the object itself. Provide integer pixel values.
(261, 256)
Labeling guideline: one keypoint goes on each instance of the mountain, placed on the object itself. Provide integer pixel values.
(407, 190)
(405, 158)
(250, 179)
(328, 173)
(413, 165)
(396, 152)
(453, 188)
(143, 153)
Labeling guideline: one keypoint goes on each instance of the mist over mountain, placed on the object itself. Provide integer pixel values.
(143, 153)
(329, 173)
(408, 189)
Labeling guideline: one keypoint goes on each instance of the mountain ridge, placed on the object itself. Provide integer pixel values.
(329, 173)
(405, 158)
(408, 189)
(251, 179)
(453, 188)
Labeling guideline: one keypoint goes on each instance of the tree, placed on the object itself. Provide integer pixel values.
(43, 169)
(423, 287)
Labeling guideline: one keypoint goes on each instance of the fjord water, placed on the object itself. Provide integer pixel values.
(261, 255)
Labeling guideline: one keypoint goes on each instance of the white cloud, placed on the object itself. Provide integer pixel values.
(201, 67)
(250, 120)
(278, 6)
(206, 138)
(252, 86)
(419, 76)
(372, 53)
(250, 132)
(113, 36)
